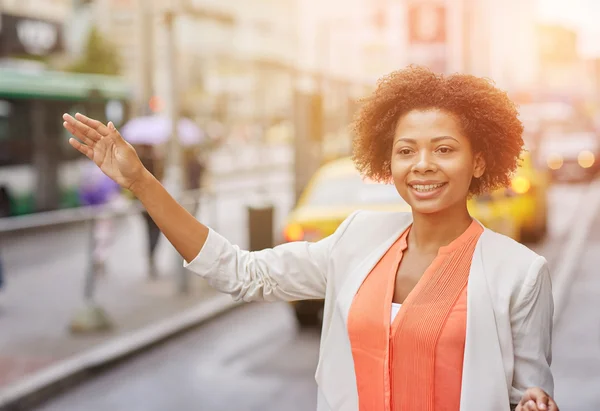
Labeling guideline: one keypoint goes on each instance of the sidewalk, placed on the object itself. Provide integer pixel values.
(37, 334)
(45, 273)
(44, 290)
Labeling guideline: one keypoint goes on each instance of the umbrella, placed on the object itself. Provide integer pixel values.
(96, 187)
(156, 130)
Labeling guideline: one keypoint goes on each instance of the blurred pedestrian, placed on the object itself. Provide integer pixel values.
(148, 155)
(194, 169)
(97, 189)
(426, 310)
(5, 211)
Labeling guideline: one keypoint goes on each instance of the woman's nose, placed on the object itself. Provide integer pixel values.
(424, 162)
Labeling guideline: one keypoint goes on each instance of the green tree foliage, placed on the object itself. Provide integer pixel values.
(99, 56)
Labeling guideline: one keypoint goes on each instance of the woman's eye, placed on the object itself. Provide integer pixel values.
(404, 151)
(444, 150)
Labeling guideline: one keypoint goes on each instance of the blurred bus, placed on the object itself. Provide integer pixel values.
(37, 165)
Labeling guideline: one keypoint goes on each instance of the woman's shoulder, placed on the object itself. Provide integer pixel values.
(506, 248)
(509, 259)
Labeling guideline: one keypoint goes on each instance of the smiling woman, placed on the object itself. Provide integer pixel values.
(474, 327)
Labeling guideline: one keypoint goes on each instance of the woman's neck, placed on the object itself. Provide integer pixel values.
(429, 232)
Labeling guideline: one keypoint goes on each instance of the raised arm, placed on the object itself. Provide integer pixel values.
(287, 272)
(119, 161)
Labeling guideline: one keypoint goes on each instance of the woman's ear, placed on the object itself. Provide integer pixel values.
(479, 165)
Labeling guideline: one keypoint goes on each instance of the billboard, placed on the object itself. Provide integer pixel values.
(426, 22)
(427, 26)
(29, 36)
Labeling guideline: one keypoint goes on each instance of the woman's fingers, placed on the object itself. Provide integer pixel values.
(94, 124)
(85, 132)
(82, 148)
(531, 406)
(537, 399)
(75, 132)
(115, 133)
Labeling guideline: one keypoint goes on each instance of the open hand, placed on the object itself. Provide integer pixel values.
(104, 146)
(535, 399)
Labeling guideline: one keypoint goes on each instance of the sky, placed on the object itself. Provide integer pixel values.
(582, 15)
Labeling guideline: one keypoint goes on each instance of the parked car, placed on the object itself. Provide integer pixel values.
(571, 155)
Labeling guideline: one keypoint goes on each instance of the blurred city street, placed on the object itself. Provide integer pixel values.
(45, 274)
(244, 109)
(256, 358)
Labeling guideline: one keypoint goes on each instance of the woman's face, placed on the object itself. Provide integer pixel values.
(432, 161)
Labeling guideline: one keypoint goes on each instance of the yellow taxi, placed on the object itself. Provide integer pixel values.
(519, 211)
(332, 194)
(337, 189)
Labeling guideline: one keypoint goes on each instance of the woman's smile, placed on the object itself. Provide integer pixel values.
(426, 190)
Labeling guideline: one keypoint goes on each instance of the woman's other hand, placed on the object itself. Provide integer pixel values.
(106, 148)
(536, 399)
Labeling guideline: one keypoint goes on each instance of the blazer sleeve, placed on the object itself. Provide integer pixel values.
(531, 320)
(291, 271)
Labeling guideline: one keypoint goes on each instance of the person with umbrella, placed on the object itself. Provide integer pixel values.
(152, 161)
(149, 133)
(97, 189)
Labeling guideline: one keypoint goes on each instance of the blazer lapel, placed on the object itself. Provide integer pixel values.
(483, 387)
(356, 277)
(335, 372)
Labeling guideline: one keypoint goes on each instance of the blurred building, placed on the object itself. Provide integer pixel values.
(240, 63)
(227, 52)
(564, 74)
(513, 60)
(117, 21)
(54, 10)
(32, 31)
(482, 37)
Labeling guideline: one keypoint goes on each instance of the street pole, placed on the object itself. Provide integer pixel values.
(174, 173)
(324, 54)
(308, 136)
(91, 316)
(174, 167)
(146, 61)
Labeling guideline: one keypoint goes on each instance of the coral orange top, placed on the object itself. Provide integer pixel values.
(414, 363)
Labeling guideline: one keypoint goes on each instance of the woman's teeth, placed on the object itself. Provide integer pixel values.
(426, 187)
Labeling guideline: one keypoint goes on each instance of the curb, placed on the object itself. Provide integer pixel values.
(56, 378)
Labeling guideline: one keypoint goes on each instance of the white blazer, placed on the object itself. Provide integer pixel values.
(509, 304)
